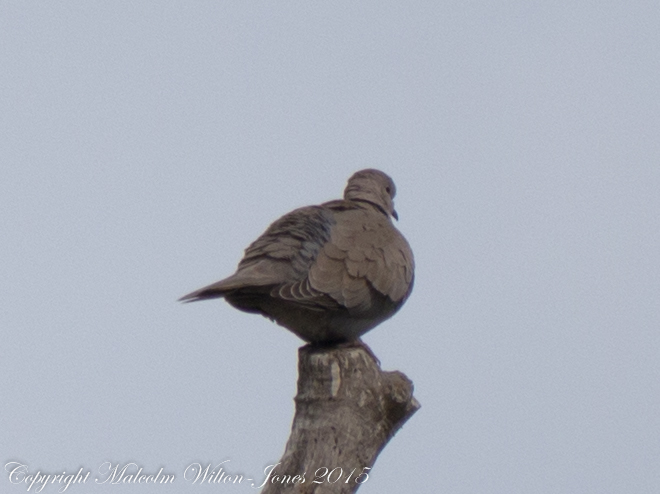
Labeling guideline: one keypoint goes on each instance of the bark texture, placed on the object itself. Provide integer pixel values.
(347, 409)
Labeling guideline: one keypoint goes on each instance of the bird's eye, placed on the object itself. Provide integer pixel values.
(387, 189)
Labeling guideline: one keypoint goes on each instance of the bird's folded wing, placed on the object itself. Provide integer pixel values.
(291, 243)
(364, 250)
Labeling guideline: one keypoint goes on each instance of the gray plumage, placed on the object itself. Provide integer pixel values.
(329, 273)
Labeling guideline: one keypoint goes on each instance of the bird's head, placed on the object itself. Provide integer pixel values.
(372, 186)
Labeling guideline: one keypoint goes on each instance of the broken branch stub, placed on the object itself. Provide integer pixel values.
(347, 409)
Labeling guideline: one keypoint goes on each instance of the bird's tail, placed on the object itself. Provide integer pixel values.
(250, 278)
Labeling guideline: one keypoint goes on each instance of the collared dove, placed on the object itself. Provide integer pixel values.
(328, 273)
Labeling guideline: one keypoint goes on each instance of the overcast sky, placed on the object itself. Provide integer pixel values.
(144, 145)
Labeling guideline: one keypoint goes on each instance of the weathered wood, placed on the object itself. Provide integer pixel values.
(347, 409)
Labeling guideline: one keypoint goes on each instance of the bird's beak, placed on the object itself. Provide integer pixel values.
(395, 215)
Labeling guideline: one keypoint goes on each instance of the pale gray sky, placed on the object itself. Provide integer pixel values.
(144, 145)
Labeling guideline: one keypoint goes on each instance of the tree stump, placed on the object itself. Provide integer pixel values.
(347, 409)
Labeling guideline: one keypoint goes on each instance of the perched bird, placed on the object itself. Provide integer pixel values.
(329, 273)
